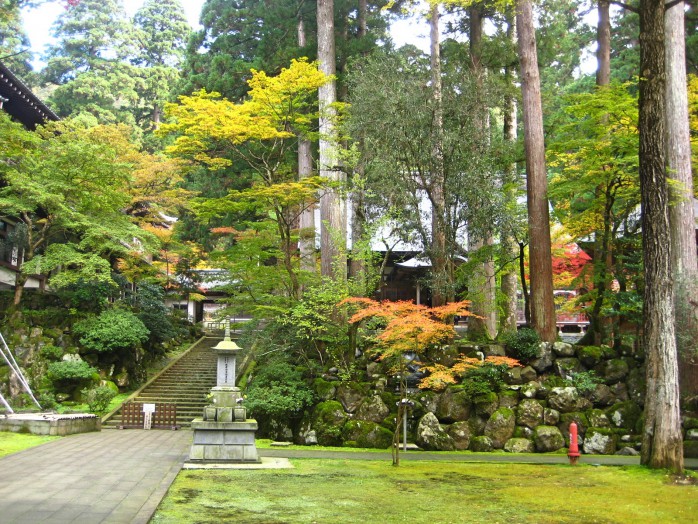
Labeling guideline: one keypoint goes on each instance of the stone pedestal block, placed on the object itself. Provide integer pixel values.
(216, 441)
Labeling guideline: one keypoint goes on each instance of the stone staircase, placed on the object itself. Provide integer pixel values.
(186, 383)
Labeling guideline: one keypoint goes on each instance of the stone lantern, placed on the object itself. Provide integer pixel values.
(224, 434)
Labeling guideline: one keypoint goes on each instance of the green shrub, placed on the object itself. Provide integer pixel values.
(523, 345)
(112, 330)
(70, 370)
(155, 315)
(51, 352)
(278, 391)
(584, 381)
(98, 399)
(483, 380)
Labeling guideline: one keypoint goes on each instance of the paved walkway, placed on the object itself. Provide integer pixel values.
(110, 476)
(117, 476)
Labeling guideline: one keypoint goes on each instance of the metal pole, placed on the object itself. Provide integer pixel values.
(7, 354)
(7, 406)
(404, 427)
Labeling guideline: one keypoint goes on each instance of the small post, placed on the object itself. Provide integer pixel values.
(573, 452)
(405, 404)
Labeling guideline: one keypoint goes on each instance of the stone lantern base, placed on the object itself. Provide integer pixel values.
(224, 441)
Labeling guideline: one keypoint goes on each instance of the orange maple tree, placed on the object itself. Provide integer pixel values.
(411, 327)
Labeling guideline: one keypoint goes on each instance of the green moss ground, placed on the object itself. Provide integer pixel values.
(14, 442)
(331, 491)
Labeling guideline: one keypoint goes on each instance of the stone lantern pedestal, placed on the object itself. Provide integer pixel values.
(225, 434)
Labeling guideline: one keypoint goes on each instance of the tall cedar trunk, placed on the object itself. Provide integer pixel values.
(306, 237)
(483, 281)
(662, 445)
(540, 255)
(440, 277)
(333, 228)
(509, 245)
(357, 264)
(603, 39)
(681, 216)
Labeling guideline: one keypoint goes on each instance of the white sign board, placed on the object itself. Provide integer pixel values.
(148, 408)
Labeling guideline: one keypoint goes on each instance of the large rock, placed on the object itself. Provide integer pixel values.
(508, 398)
(454, 405)
(637, 385)
(591, 356)
(548, 438)
(564, 400)
(461, 434)
(325, 389)
(602, 395)
(529, 413)
(613, 371)
(568, 366)
(519, 445)
(373, 409)
(530, 390)
(528, 374)
(429, 401)
(500, 427)
(366, 434)
(431, 436)
(351, 395)
(551, 417)
(597, 418)
(600, 441)
(545, 358)
(624, 415)
(481, 444)
(513, 376)
(620, 390)
(562, 349)
(328, 418)
(578, 418)
(486, 404)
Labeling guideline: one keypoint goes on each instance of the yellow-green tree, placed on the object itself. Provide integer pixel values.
(263, 133)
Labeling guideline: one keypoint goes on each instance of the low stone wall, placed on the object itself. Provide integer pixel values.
(50, 424)
(532, 413)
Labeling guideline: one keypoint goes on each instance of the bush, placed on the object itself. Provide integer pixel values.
(98, 399)
(70, 370)
(278, 391)
(112, 330)
(50, 352)
(524, 345)
(484, 379)
(155, 315)
(584, 381)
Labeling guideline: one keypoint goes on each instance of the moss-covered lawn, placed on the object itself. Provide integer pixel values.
(353, 491)
(14, 442)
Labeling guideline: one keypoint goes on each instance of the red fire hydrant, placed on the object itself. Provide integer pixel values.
(573, 452)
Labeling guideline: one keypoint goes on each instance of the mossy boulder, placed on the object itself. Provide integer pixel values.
(324, 389)
(500, 427)
(602, 395)
(624, 415)
(372, 408)
(563, 349)
(566, 367)
(564, 400)
(327, 421)
(600, 441)
(548, 438)
(613, 371)
(530, 389)
(545, 358)
(367, 434)
(486, 404)
(429, 401)
(591, 356)
(637, 385)
(454, 405)
(523, 432)
(351, 395)
(431, 436)
(513, 376)
(481, 444)
(461, 433)
(508, 398)
(551, 417)
(528, 374)
(598, 418)
(519, 445)
(529, 413)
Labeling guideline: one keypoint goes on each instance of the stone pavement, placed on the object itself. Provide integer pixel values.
(110, 476)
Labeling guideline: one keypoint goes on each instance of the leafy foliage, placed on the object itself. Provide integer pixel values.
(478, 376)
(112, 330)
(523, 344)
(278, 391)
(70, 370)
(98, 398)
